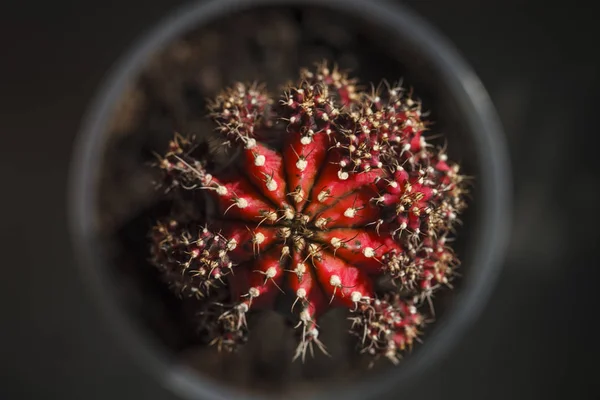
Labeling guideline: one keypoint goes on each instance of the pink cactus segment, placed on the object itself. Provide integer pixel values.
(414, 205)
(301, 274)
(354, 210)
(334, 183)
(416, 145)
(260, 282)
(383, 198)
(359, 247)
(441, 163)
(264, 168)
(303, 155)
(245, 244)
(305, 287)
(394, 184)
(237, 198)
(341, 282)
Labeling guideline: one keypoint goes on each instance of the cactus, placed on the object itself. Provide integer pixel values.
(335, 198)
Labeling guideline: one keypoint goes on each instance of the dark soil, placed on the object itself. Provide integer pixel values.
(170, 96)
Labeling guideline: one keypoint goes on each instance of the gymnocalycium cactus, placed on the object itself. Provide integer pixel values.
(335, 198)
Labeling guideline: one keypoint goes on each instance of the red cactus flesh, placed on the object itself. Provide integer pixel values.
(333, 190)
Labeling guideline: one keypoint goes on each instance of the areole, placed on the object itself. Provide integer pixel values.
(475, 108)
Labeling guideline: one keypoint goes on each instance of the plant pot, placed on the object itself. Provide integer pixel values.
(160, 86)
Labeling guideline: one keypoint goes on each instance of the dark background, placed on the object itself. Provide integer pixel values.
(540, 65)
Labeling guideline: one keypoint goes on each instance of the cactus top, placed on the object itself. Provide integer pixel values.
(350, 192)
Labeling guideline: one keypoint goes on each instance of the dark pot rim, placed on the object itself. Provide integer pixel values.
(476, 108)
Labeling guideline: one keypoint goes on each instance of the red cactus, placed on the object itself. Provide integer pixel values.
(333, 189)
